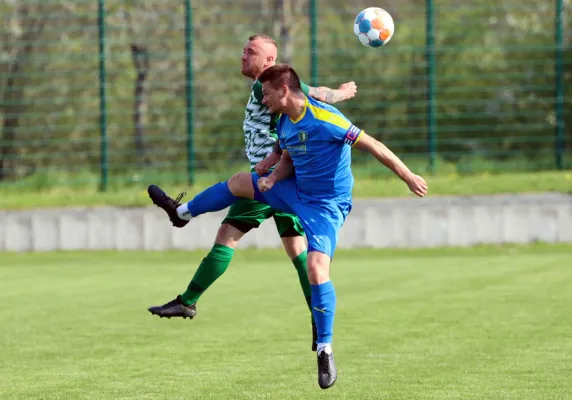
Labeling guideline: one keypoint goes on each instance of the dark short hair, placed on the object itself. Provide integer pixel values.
(281, 74)
(263, 37)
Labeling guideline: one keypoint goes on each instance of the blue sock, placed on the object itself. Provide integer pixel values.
(215, 198)
(323, 309)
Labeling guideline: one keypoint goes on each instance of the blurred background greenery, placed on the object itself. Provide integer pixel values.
(498, 105)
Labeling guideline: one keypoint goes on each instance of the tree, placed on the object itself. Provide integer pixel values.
(140, 57)
(30, 23)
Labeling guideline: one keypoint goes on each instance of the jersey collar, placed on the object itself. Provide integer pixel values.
(303, 112)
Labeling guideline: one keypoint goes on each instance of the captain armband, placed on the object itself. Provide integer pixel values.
(352, 135)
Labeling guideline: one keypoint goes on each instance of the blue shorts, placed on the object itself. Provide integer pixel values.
(321, 219)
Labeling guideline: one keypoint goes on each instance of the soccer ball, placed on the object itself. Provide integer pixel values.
(373, 27)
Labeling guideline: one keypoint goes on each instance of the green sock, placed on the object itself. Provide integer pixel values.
(211, 268)
(300, 264)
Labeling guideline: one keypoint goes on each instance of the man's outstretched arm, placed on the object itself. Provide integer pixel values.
(345, 92)
(385, 156)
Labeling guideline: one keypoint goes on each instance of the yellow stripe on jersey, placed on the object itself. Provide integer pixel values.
(330, 117)
(303, 112)
(335, 119)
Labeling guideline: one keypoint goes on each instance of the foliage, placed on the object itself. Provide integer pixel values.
(494, 78)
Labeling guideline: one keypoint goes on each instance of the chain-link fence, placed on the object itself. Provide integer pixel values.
(115, 92)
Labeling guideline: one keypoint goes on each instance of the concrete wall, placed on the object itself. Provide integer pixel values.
(406, 222)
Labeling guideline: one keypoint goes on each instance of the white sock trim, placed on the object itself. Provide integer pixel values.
(183, 212)
(327, 347)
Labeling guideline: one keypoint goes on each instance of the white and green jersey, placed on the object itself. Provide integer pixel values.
(260, 125)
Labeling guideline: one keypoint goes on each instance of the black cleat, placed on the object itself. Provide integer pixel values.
(174, 308)
(160, 199)
(314, 336)
(327, 372)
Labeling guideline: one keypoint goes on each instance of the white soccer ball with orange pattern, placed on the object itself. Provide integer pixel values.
(373, 27)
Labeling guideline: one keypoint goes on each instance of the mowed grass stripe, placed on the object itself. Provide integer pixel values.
(426, 324)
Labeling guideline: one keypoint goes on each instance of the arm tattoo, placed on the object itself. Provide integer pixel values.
(326, 94)
(330, 96)
(276, 148)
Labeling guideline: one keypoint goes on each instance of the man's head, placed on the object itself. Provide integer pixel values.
(259, 53)
(278, 83)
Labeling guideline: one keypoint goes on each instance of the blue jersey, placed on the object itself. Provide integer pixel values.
(319, 142)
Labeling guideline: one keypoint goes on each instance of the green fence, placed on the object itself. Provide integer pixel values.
(114, 93)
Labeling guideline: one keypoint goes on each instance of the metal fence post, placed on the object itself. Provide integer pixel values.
(313, 42)
(189, 86)
(102, 98)
(559, 84)
(430, 71)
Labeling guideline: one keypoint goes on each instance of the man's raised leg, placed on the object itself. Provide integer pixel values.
(216, 198)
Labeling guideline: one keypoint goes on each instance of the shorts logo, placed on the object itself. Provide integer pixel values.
(302, 136)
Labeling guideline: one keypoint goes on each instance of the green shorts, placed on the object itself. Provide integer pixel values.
(246, 214)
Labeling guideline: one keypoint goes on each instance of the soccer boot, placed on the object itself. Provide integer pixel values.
(174, 308)
(327, 372)
(160, 199)
(314, 336)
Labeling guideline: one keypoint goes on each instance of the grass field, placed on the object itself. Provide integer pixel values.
(61, 194)
(481, 323)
